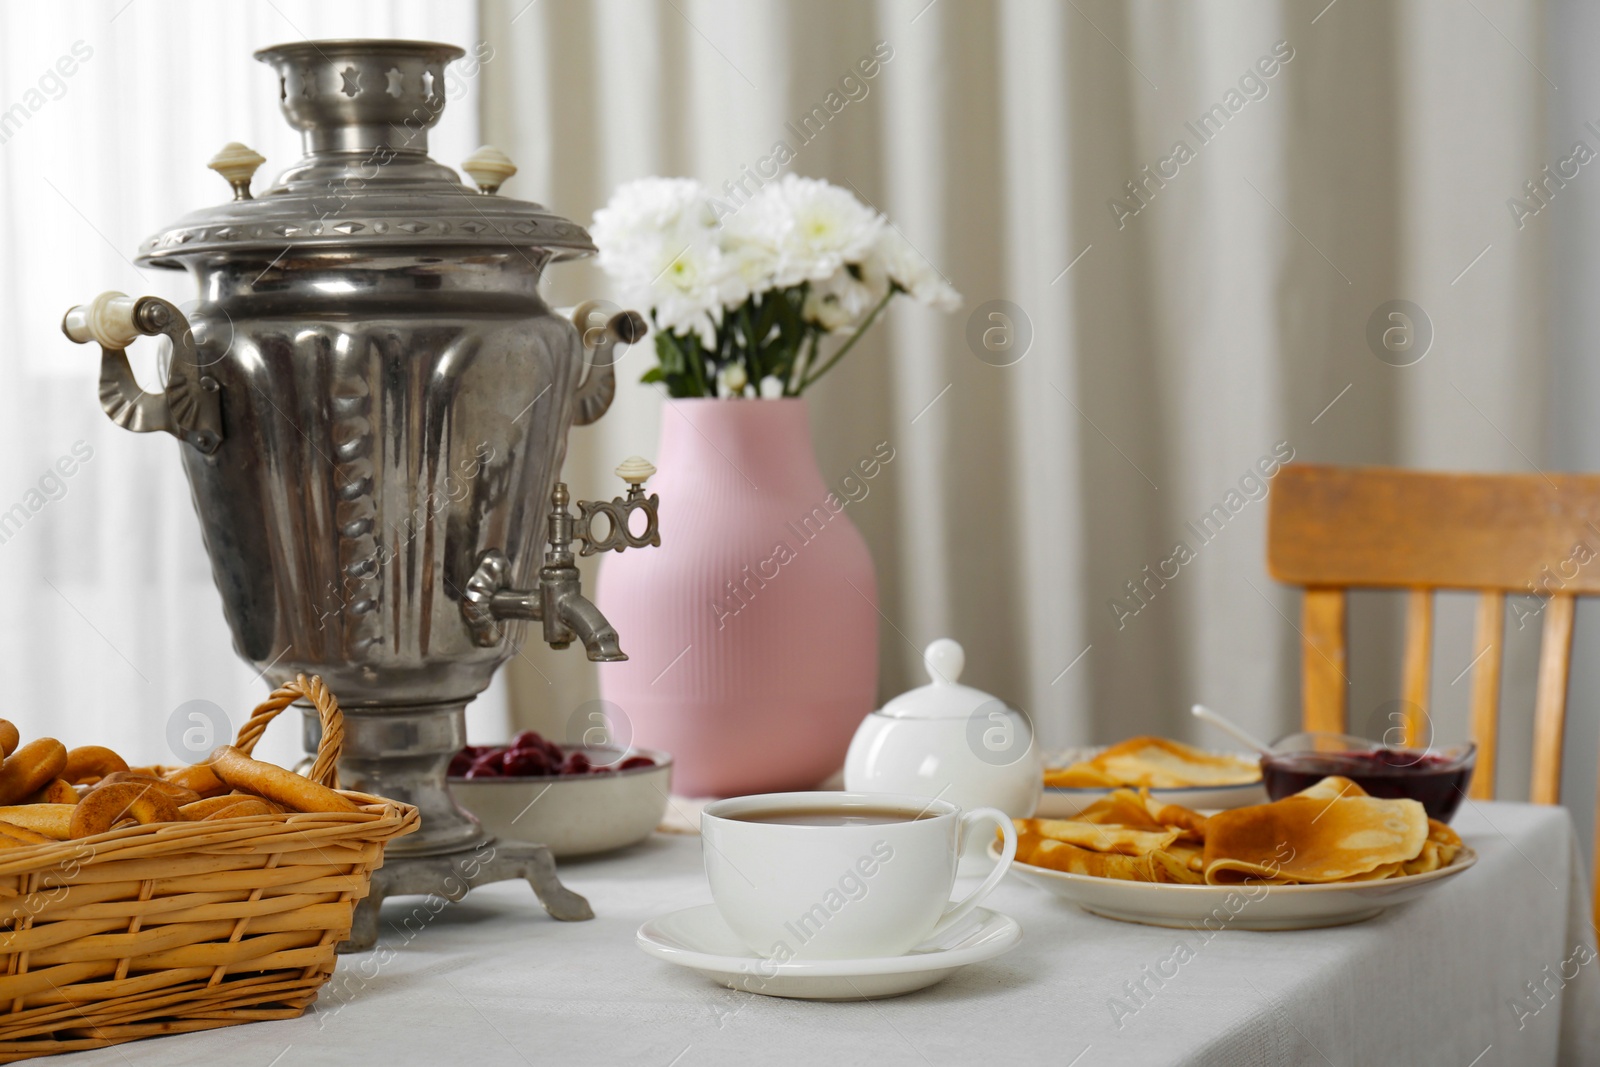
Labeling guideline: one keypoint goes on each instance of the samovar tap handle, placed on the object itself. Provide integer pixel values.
(619, 535)
(190, 408)
(599, 387)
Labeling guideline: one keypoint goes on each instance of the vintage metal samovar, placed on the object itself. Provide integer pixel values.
(373, 401)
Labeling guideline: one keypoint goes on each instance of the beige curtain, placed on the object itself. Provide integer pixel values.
(1187, 331)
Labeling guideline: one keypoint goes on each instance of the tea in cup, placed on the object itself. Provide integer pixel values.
(834, 875)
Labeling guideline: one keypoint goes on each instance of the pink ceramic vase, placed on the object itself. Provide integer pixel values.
(752, 631)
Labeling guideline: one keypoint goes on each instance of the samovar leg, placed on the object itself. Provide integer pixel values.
(440, 879)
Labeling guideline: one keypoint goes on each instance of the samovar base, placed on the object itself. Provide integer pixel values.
(451, 876)
(403, 752)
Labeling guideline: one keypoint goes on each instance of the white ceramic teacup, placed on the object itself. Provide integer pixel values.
(794, 891)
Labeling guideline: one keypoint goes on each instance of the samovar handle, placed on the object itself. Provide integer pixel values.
(599, 387)
(190, 409)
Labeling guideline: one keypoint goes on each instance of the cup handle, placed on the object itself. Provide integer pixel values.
(960, 909)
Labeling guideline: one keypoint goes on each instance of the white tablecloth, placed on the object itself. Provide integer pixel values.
(491, 980)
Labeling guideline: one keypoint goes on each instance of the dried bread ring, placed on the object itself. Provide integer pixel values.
(275, 783)
(242, 807)
(9, 738)
(204, 809)
(105, 806)
(198, 777)
(30, 768)
(23, 834)
(52, 820)
(59, 791)
(201, 808)
(92, 761)
(180, 795)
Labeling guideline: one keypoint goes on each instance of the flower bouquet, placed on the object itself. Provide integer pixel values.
(747, 299)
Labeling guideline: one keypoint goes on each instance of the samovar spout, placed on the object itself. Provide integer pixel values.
(579, 616)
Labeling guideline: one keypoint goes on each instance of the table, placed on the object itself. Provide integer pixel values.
(491, 980)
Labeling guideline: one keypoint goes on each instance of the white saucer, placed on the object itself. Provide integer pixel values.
(699, 939)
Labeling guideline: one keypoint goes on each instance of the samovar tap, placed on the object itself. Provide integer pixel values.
(559, 602)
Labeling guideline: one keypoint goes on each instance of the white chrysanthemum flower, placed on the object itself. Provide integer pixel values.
(812, 226)
(641, 217)
(684, 297)
(841, 302)
(748, 245)
(658, 240)
(893, 257)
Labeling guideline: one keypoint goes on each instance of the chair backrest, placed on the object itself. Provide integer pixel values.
(1330, 529)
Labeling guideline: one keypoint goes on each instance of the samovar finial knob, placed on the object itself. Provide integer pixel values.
(237, 163)
(635, 470)
(489, 168)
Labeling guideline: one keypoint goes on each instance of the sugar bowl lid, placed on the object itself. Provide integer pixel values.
(944, 697)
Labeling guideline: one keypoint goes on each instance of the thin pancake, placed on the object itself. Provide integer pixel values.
(1060, 856)
(1308, 839)
(1124, 840)
(1123, 807)
(1156, 763)
(1332, 788)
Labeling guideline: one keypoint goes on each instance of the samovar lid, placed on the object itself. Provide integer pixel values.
(366, 183)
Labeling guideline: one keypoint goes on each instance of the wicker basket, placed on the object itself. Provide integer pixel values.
(173, 927)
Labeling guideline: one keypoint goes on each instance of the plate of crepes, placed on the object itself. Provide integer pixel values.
(1326, 856)
(1174, 773)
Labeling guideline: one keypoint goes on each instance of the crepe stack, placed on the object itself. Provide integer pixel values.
(1331, 832)
(1154, 763)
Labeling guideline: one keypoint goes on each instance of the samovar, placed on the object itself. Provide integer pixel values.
(373, 401)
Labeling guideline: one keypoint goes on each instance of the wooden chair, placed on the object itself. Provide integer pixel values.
(1331, 529)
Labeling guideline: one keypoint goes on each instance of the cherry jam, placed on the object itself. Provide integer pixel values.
(1437, 782)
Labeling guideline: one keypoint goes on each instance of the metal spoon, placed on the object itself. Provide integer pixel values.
(1227, 726)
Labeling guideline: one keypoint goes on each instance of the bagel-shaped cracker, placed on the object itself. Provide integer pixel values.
(275, 783)
(9, 738)
(105, 806)
(57, 792)
(23, 834)
(244, 806)
(204, 809)
(180, 795)
(92, 761)
(31, 768)
(199, 778)
(52, 820)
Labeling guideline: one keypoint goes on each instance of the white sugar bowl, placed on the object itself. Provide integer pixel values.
(949, 741)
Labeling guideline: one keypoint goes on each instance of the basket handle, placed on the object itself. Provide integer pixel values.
(325, 770)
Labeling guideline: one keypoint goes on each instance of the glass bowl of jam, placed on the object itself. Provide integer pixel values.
(1437, 778)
